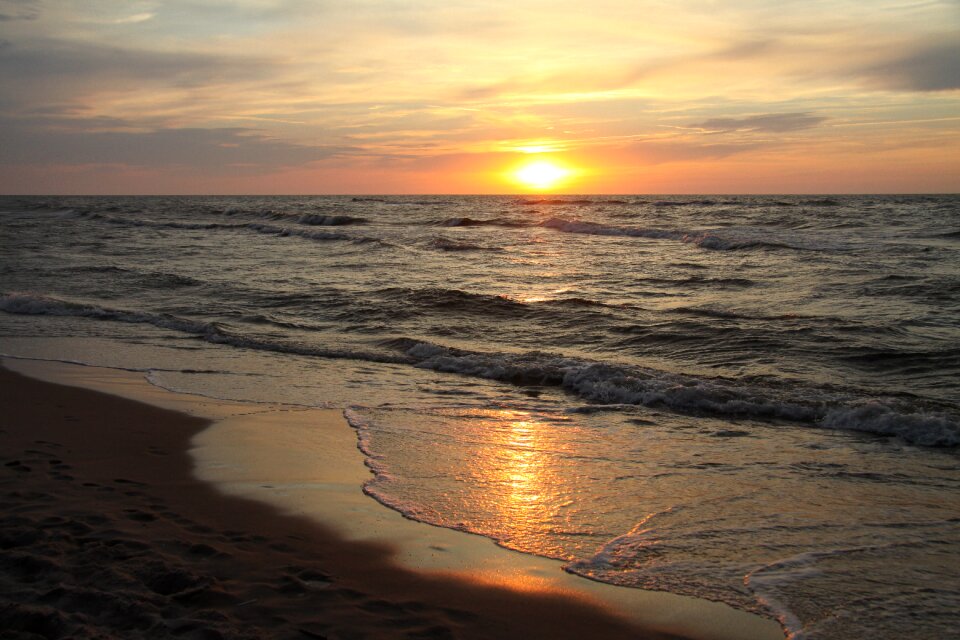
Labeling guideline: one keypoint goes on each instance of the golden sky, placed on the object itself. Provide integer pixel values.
(416, 96)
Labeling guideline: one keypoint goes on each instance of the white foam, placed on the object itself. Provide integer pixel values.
(612, 385)
(928, 429)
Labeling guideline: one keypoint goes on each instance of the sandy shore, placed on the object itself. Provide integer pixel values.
(107, 532)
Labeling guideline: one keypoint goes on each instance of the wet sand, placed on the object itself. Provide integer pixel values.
(107, 532)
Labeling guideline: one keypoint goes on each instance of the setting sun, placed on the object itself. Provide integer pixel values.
(541, 174)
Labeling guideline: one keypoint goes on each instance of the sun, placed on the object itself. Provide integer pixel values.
(541, 174)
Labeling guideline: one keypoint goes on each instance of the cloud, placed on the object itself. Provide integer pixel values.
(41, 72)
(11, 10)
(765, 123)
(664, 151)
(931, 67)
(210, 150)
(50, 60)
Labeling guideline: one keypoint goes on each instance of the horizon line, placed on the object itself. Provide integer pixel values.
(474, 195)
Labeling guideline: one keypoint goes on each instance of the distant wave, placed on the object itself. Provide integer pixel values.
(713, 240)
(454, 300)
(821, 202)
(481, 304)
(404, 202)
(481, 222)
(563, 202)
(696, 202)
(154, 278)
(690, 203)
(325, 219)
(597, 229)
(707, 312)
(447, 244)
(700, 281)
(318, 219)
(266, 229)
(720, 240)
(157, 224)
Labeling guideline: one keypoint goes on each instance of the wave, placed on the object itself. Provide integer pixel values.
(707, 312)
(821, 202)
(214, 332)
(718, 240)
(153, 278)
(699, 281)
(312, 219)
(611, 384)
(455, 300)
(725, 240)
(318, 219)
(597, 229)
(94, 268)
(157, 224)
(33, 304)
(596, 382)
(576, 301)
(483, 222)
(696, 202)
(690, 203)
(415, 203)
(257, 227)
(562, 202)
(446, 244)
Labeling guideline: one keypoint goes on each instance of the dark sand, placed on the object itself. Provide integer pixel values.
(105, 533)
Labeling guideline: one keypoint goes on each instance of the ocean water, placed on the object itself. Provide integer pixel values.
(754, 400)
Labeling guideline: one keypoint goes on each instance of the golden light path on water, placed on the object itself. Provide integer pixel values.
(520, 467)
(523, 472)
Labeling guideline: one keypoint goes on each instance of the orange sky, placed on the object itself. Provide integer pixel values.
(296, 96)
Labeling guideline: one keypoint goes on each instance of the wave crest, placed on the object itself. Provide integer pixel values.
(611, 384)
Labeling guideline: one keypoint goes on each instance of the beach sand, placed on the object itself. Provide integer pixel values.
(108, 531)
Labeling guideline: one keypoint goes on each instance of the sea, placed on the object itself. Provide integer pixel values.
(749, 399)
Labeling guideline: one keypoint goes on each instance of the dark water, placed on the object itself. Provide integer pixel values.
(750, 399)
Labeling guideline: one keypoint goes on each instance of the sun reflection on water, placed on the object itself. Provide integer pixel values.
(521, 470)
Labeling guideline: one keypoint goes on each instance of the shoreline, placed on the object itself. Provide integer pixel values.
(361, 546)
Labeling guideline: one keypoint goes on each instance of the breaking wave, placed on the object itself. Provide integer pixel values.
(595, 382)
(214, 332)
(611, 384)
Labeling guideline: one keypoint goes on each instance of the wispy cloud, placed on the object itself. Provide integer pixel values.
(209, 150)
(931, 66)
(11, 10)
(766, 123)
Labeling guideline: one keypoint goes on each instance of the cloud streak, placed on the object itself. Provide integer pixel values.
(928, 67)
(765, 123)
(211, 150)
(13, 10)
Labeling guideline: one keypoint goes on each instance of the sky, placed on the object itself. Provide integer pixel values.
(456, 96)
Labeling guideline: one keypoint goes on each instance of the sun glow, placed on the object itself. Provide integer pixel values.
(541, 174)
